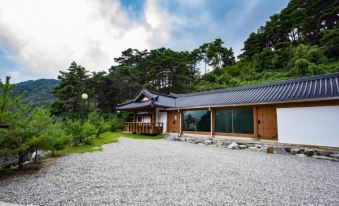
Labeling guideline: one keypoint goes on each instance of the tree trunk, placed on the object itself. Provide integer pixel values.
(36, 156)
(21, 161)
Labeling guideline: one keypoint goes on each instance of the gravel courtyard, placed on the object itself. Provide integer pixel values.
(163, 172)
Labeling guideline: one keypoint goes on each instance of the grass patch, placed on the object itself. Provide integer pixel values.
(141, 136)
(105, 138)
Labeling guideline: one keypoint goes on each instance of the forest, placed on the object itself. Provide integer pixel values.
(301, 40)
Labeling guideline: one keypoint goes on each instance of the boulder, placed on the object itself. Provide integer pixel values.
(258, 146)
(233, 145)
(324, 158)
(270, 150)
(294, 151)
(208, 141)
(301, 155)
(40, 154)
(288, 149)
(176, 138)
(252, 148)
(219, 143)
(334, 155)
(242, 146)
(183, 139)
(280, 150)
(323, 152)
(309, 152)
(251, 144)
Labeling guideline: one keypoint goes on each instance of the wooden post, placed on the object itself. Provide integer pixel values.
(212, 114)
(180, 122)
(255, 121)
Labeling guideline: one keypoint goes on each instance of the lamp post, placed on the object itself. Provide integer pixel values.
(84, 96)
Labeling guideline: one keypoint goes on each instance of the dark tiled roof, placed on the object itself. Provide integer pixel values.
(315, 87)
(155, 99)
(303, 89)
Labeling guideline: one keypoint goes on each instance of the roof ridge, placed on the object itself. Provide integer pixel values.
(158, 93)
(254, 86)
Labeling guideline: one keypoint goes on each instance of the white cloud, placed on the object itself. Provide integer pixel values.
(46, 35)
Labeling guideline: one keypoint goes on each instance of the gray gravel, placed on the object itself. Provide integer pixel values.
(162, 172)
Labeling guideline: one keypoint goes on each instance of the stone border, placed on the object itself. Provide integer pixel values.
(271, 148)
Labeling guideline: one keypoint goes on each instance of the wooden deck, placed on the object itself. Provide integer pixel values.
(144, 128)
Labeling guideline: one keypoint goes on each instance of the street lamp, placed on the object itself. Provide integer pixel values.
(84, 96)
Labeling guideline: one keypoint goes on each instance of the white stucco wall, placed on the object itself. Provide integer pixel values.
(309, 125)
(146, 119)
(162, 117)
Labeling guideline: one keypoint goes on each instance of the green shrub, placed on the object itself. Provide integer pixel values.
(301, 66)
(88, 132)
(73, 128)
(116, 124)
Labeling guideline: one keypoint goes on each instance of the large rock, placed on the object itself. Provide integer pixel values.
(270, 150)
(300, 155)
(323, 152)
(219, 143)
(309, 152)
(176, 138)
(233, 145)
(40, 154)
(280, 150)
(258, 146)
(294, 151)
(208, 142)
(324, 158)
(242, 146)
(334, 155)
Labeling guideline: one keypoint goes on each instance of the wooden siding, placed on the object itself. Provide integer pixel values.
(173, 121)
(267, 123)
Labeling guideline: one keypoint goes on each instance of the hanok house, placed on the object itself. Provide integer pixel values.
(299, 111)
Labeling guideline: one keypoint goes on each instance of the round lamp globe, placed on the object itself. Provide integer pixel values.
(84, 96)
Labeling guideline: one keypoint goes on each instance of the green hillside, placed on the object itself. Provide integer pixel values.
(38, 92)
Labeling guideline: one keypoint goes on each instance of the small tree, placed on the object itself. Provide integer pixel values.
(15, 140)
(55, 138)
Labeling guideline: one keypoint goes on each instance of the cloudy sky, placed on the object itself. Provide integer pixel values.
(38, 38)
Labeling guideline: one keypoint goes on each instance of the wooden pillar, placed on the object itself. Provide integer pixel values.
(154, 118)
(181, 121)
(212, 113)
(255, 121)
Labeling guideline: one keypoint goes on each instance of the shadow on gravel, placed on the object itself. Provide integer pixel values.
(29, 169)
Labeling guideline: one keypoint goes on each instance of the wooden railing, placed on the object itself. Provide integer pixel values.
(144, 128)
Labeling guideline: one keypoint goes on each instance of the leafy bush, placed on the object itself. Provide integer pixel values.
(301, 66)
(116, 124)
(55, 138)
(73, 128)
(99, 122)
(88, 132)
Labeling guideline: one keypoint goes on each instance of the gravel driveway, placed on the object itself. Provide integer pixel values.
(163, 172)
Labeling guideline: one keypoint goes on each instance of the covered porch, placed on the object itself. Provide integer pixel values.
(149, 113)
(152, 128)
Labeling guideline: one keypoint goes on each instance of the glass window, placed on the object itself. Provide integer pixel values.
(239, 120)
(197, 120)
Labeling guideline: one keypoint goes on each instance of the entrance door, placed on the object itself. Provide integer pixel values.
(173, 121)
(267, 123)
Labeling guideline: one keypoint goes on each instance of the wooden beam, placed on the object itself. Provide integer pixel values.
(212, 113)
(180, 122)
(255, 121)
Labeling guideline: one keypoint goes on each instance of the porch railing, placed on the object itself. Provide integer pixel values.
(144, 128)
